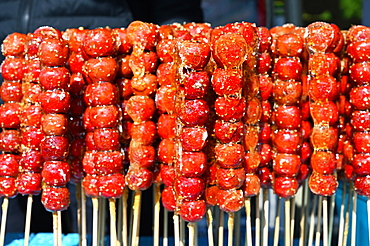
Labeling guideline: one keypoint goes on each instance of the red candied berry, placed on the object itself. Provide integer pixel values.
(357, 33)
(165, 99)
(304, 171)
(199, 31)
(324, 138)
(266, 86)
(32, 137)
(253, 111)
(211, 195)
(10, 140)
(230, 178)
(77, 148)
(32, 70)
(101, 69)
(102, 163)
(266, 176)
(361, 141)
(230, 50)
(55, 173)
(100, 42)
(210, 174)
(360, 120)
(359, 51)
(77, 173)
(324, 112)
(143, 132)
(104, 116)
(168, 198)
(54, 78)
(266, 111)
(288, 68)
(252, 161)
(56, 101)
(227, 132)
(287, 92)
(75, 38)
(12, 68)
(124, 87)
(362, 185)
(193, 211)
(360, 73)
(13, 44)
(192, 164)
(145, 85)
(265, 39)
(10, 115)
(287, 141)
(9, 165)
(145, 62)
(287, 117)
(53, 52)
(166, 74)
(139, 179)
(264, 62)
(111, 186)
(106, 139)
(324, 185)
(11, 91)
(229, 155)
(166, 151)
(194, 113)
(76, 84)
(361, 164)
(166, 50)
(124, 69)
(196, 84)
(77, 107)
(90, 184)
(194, 55)
(121, 36)
(32, 44)
(31, 161)
(31, 92)
(8, 187)
(265, 151)
(48, 32)
(285, 187)
(54, 124)
(168, 174)
(142, 35)
(189, 189)
(287, 164)
(306, 151)
(141, 155)
(98, 94)
(193, 138)
(320, 37)
(359, 97)
(29, 183)
(54, 148)
(230, 109)
(55, 198)
(230, 200)
(227, 82)
(166, 126)
(289, 44)
(323, 88)
(31, 115)
(323, 63)
(140, 108)
(251, 185)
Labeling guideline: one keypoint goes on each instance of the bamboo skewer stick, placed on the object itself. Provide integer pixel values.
(237, 226)
(277, 223)
(136, 222)
(4, 208)
(95, 203)
(59, 228)
(157, 208)
(221, 229)
(113, 228)
(306, 212)
(258, 221)
(176, 224)
(341, 216)
(266, 207)
(248, 222)
(325, 221)
(331, 218)
(287, 237)
(354, 219)
(55, 228)
(302, 222)
(182, 233)
(312, 222)
(191, 227)
(230, 226)
(346, 225)
(209, 227)
(292, 220)
(165, 227)
(124, 218)
(101, 220)
(318, 225)
(28, 220)
(196, 234)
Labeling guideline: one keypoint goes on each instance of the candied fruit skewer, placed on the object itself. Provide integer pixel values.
(103, 160)
(141, 108)
(12, 70)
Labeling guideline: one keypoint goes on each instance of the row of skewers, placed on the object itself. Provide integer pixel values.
(213, 114)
